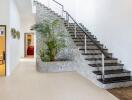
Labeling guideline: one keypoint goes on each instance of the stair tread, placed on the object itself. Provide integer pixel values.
(72, 34)
(95, 53)
(82, 38)
(91, 49)
(87, 44)
(116, 80)
(100, 58)
(107, 72)
(106, 64)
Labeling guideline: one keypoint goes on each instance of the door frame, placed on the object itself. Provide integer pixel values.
(25, 43)
(5, 48)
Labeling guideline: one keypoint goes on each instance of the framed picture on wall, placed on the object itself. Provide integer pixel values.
(2, 30)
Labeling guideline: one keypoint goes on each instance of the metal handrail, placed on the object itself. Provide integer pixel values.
(60, 5)
(105, 54)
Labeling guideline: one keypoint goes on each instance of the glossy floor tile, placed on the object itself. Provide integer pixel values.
(27, 84)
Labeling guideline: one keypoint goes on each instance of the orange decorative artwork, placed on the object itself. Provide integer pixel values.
(2, 50)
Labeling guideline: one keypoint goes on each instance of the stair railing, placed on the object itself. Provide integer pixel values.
(67, 18)
(104, 54)
(61, 6)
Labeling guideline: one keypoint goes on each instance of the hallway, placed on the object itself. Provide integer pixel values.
(27, 84)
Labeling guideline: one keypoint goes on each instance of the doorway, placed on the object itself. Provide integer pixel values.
(29, 45)
(2, 50)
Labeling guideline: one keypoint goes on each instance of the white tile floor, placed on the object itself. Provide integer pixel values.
(27, 84)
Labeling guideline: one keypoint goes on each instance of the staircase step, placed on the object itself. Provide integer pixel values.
(106, 64)
(93, 49)
(101, 45)
(72, 29)
(82, 35)
(107, 72)
(79, 32)
(95, 54)
(88, 43)
(115, 80)
(79, 37)
(91, 59)
(99, 60)
(89, 46)
(112, 73)
(81, 41)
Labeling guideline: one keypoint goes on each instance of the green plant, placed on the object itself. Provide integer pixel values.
(15, 34)
(18, 34)
(53, 40)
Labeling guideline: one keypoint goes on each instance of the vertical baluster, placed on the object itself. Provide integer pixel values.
(75, 30)
(68, 19)
(103, 67)
(66, 16)
(62, 11)
(85, 44)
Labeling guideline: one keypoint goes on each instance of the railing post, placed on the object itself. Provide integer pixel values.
(75, 30)
(62, 10)
(68, 19)
(66, 16)
(103, 67)
(85, 44)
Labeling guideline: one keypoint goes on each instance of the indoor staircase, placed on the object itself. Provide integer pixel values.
(109, 71)
(114, 72)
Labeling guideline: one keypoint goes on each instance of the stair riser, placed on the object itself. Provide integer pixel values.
(117, 85)
(92, 51)
(78, 30)
(70, 26)
(89, 47)
(73, 29)
(107, 68)
(113, 75)
(92, 56)
(99, 61)
(78, 35)
(80, 38)
(80, 42)
(81, 33)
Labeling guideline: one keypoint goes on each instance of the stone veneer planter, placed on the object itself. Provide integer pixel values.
(57, 66)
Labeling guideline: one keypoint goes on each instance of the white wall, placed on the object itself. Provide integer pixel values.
(13, 44)
(111, 22)
(9, 16)
(4, 20)
(4, 6)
